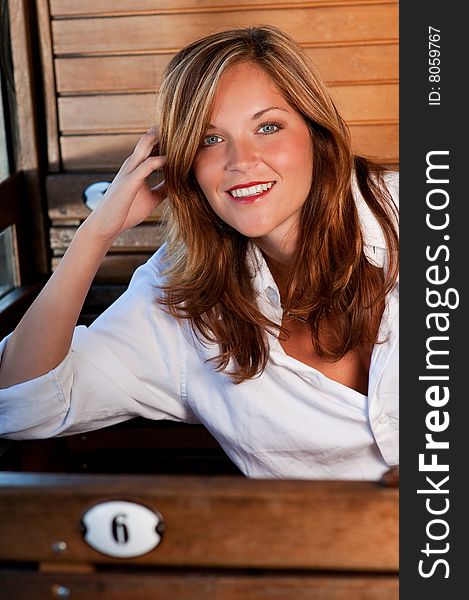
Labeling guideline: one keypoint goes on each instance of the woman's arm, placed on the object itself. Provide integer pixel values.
(42, 338)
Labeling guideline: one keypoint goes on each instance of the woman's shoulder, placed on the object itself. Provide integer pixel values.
(152, 272)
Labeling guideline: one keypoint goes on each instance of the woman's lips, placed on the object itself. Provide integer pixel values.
(247, 193)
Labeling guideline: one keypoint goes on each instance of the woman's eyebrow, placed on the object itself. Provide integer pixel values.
(257, 115)
(264, 110)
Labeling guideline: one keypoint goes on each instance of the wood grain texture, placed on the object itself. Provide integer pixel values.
(210, 521)
(135, 112)
(115, 268)
(184, 586)
(70, 8)
(26, 144)
(49, 84)
(309, 26)
(147, 237)
(378, 142)
(104, 74)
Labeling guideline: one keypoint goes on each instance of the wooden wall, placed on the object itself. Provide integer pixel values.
(101, 63)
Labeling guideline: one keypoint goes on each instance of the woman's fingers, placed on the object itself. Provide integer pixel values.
(129, 199)
(147, 167)
(391, 477)
(142, 150)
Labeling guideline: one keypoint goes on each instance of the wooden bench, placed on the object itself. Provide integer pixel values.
(224, 538)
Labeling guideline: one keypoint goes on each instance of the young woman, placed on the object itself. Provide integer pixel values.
(270, 315)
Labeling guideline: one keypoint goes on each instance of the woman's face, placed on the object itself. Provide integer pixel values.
(255, 162)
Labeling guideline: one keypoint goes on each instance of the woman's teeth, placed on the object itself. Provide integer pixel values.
(253, 190)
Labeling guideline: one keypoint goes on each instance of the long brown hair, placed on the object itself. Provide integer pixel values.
(209, 280)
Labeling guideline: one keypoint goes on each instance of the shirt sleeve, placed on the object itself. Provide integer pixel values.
(126, 364)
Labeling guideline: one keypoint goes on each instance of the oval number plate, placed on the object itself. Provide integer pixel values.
(122, 529)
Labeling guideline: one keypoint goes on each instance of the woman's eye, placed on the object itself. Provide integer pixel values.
(211, 140)
(269, 128)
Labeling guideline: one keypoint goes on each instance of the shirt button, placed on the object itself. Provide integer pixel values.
(272, 296)
(383, 420)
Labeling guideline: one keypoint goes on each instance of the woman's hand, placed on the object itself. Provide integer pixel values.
(129, 200)
(391, 477)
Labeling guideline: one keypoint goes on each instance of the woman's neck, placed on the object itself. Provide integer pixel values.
(280, 258)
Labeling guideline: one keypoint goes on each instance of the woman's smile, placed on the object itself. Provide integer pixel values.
(250, 192)
(254, 164)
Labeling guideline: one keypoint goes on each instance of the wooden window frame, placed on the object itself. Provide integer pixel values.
(22, 195)
(13, 193)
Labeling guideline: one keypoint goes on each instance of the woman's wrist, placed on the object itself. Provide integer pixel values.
(94, 235)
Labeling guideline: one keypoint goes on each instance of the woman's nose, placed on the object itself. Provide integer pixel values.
(242, 155)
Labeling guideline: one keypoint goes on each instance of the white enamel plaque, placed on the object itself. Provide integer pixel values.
(122, 529)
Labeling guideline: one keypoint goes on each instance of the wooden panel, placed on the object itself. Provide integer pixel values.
(105, 73)
(49, 84)
(134, 112)
(64, 8)
(358, 103)
(378, 142)
(114, 113)
(143, 237)
(210, 521)
(27, 141)
(64, 192)
(142, 72)
(184, 586)
(309, 26)
(115, 268)
(96, 153)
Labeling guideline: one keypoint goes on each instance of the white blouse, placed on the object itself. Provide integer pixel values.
(290, 422)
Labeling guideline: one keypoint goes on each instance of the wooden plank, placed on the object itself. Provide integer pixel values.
(100, 153)
(309, 26)
(26, 143)
(49, 85)
(115, 268)
(147, 238)
(114, 113)
(65, 192)
(103, 74)
(122, 113)
(359, 103)
(210, 521)
(181, 586)
(69, 8)
(108, 152)
(378, 142)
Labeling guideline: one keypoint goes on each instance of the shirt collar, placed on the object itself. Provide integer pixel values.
(259, 271)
